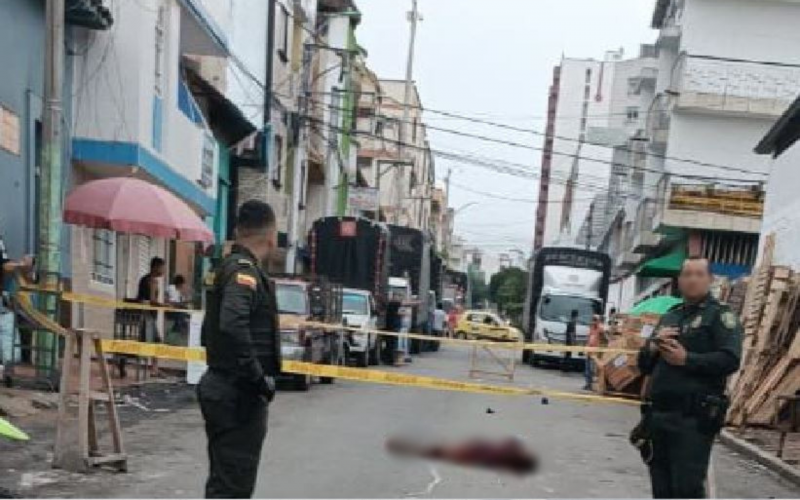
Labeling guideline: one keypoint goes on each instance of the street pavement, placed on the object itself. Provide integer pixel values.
(329, 443)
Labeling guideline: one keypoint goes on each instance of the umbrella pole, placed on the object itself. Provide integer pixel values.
(128, 259)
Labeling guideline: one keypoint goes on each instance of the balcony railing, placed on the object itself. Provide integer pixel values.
(729, 201)
(733, 86)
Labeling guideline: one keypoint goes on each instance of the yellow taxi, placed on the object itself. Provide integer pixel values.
(485, 325)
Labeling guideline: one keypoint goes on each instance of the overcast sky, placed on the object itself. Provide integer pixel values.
(493, 60)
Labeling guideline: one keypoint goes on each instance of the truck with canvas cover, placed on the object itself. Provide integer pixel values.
(563, 280)
(353, 252)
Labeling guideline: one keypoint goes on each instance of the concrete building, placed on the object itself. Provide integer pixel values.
(726, 71)
(782, 206)
(405, 192)
(514, 258)
(295, 25)
(440, 225)
(135, 114)
(579, 101)
(456, 256)
(22, 34)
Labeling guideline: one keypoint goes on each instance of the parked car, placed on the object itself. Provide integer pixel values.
(359, 311)
(484, 325)
(298, 302)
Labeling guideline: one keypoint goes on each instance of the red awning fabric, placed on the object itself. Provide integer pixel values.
(129, 205)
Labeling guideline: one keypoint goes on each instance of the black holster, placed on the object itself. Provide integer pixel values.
(641, 437)
(711, 411)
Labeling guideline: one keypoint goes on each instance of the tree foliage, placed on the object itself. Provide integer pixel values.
(508, 290)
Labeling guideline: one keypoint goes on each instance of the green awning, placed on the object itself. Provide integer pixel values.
(666, 266)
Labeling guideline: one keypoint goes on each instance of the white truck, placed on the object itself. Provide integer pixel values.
(359, 311)
(563, 280)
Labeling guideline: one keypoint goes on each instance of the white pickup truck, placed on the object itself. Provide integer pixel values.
(359, 311)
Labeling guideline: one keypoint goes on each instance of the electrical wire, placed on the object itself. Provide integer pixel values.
(523, 171)
(508, 198)
(539, 133)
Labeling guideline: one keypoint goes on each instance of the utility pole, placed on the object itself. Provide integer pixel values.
(413, 17)
(298, 180)
(268, 79)
(450, 223)
(589, 227)
(52, 161)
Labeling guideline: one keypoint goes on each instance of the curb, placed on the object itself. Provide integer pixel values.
(770, 461)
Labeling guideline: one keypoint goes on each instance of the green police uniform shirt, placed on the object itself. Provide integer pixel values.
(712, 336)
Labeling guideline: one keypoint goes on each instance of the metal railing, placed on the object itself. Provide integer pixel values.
(729, 201)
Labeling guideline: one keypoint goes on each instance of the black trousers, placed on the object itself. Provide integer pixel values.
(236, 425)
(681, 453)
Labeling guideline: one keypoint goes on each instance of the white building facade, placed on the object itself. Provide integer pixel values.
(726, 71)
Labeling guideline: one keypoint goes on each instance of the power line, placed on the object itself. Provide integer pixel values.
(539, 133)
(507, 198)
(574, 156)
(695, 177)
(508, 168)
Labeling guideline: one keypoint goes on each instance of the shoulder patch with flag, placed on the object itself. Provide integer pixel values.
(246, 280)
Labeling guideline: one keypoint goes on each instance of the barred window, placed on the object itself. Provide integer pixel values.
(105, 256)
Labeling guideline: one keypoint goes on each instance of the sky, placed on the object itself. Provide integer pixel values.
(493, 60)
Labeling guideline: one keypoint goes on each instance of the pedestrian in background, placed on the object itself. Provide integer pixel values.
(393, 324)
(242, 340)
(596, 334)
(697, 345)
(452, 321)
(7, 326)
(178, 297)
(148, 293)
(570, 335)
(439, 324)
(403, 351)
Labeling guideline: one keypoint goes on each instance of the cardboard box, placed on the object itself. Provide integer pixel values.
(621, 372)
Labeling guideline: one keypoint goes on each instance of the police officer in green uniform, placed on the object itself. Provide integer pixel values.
(242, 340)
(697, 345)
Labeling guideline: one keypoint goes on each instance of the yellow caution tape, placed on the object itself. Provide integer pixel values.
(96, 300)
(359, 374)
(148, 350)
(514, 346)
(330, 327)
(407, 380)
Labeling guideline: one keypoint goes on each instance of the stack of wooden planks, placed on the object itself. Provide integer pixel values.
(771, 350)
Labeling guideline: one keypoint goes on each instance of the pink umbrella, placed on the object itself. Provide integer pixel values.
(129, 205)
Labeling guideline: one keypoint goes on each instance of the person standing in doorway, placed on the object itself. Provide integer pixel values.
(243, 350)
(148, 293)
(697, 346)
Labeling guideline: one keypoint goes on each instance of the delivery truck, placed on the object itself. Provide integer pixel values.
(563, 280)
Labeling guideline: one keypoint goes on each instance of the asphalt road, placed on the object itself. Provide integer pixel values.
(329, 443)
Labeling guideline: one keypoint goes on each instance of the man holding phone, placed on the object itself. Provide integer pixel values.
(696, 346)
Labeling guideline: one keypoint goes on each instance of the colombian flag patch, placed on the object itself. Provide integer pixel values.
(246, 280)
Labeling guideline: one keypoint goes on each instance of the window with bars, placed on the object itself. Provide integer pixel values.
(104, 256)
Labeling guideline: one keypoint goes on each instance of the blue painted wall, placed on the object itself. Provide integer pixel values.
(21, 84)
(22, 38)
